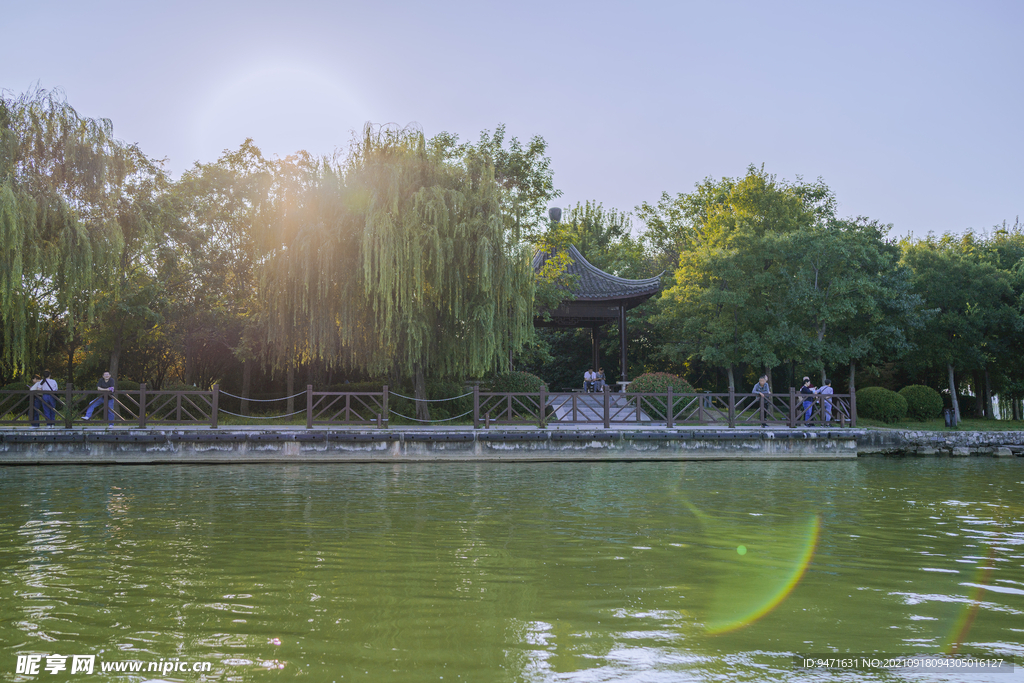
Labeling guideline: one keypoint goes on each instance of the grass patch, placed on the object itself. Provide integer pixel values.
(938, 425)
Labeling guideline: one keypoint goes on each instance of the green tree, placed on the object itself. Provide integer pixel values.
(213, 279)
(523, 175)
(969, 316)
(402, 262)
(848, 297)
(725, 305)
(72, 200)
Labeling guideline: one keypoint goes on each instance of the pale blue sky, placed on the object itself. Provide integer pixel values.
(910, 111)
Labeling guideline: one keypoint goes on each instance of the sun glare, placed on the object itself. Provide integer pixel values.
(284, 107)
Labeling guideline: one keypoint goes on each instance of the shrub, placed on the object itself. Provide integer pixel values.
(514, 382)
(658, 383)
(923, 403)
(882, 404)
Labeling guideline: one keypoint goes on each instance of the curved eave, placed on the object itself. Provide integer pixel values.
(597, 285)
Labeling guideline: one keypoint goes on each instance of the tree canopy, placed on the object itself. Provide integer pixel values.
(407, 260)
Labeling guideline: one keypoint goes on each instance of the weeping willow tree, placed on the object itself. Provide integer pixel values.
(60, 175)
(398, 263)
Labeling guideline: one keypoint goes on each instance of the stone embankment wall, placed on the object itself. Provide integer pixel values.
(238, 446)
(905, 442)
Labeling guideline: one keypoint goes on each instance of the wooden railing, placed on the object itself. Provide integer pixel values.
(669, 409)
(143, 407)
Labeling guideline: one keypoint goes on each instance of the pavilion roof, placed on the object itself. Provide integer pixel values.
(593, 284)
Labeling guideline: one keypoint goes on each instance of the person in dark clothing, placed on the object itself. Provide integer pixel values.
(807, 389)
(106, 383)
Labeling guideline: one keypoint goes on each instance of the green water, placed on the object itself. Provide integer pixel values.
(512, 572)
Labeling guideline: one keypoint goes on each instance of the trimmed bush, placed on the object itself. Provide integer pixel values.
(923, 403)
(658, 383)
(882, 404)
(514, 382)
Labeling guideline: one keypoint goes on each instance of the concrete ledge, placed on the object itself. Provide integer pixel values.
(152, 446)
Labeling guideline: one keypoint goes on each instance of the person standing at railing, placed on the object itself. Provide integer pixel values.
(763, 391)
(826, 388)
(35, 403)
(106, 383)
(808, 406)
(45, 401)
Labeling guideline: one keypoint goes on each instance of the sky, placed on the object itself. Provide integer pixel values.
(910, 111)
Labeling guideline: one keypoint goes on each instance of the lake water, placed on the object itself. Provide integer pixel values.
(699, 571)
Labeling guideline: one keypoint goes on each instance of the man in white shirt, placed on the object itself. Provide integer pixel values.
(589, 377)
(47, 401)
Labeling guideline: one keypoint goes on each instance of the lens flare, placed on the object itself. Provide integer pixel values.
(962, 626)
(757, 573)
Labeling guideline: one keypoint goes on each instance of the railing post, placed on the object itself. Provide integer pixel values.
(385, 414)
(476, 406)
(700, 409)
(106, 409)
(792, 408)
(542, 418)
(309, 406)
(670, 410)
(215, 406)
(853, 409)
(68, 389)
(732, 407)
(607, 408)
(142, 406)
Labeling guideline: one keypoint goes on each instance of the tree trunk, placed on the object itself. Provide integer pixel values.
(988, 396)
(189, 363)
(853, 377)
(952, 393)
(115, 358)
(246, 386)
(290, 387)
(732, 378)
(420, 394)
(768, 374)
(979, 399)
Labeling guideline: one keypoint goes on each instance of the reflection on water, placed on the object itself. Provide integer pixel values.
(513, 572)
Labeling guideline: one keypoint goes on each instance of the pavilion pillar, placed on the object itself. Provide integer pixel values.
(622, 340)
(595, 355)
